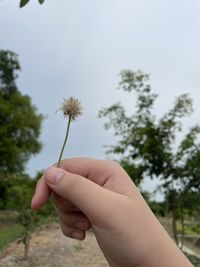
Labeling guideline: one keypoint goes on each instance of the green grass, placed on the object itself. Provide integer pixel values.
(8, 217)
(10, 229)
(191, 228)
(9, 234)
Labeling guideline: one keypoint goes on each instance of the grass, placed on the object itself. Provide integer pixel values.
(48, 219)
(191, 228)
(9, 234)
(10, 229)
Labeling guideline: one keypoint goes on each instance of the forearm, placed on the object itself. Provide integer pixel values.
(161, 250)
(142, 241)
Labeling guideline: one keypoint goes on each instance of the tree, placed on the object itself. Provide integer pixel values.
(19, 196)
(20, 123)
(19, 199)
(146, 145)
(189, 208)
(24, 2)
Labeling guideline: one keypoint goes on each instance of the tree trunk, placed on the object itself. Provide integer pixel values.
(182, 228)
(27, 244)
(174, 228)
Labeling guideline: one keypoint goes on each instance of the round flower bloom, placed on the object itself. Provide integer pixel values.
(71, 107)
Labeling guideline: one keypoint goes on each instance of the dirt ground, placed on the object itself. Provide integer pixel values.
(50, 248)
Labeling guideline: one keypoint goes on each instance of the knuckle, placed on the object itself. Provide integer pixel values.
(114, 164)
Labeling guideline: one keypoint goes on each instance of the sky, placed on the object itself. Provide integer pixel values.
(78, 48)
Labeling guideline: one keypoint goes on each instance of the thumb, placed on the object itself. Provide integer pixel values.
(88, 196)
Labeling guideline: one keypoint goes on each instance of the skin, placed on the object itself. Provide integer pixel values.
(99, 194)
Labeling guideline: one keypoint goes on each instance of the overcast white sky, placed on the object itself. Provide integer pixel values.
(77, 48)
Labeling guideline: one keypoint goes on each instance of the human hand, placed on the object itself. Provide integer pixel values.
(99, 194)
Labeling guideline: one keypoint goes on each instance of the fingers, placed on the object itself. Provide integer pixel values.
(96, 194)
(61, 204)
(72, 232)
(41, 195)
(73, 223)
(75, 220)
(106, 173)
(69, 214)
(96, 170)
(83, 193)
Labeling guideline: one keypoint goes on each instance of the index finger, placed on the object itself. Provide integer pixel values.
(42, 193)
(98, 171)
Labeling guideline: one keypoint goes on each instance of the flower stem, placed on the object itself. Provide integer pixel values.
(66, 136)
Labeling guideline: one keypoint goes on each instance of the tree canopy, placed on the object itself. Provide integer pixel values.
(148, 145)
(19, 120)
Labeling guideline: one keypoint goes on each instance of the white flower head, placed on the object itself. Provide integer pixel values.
(71, 107)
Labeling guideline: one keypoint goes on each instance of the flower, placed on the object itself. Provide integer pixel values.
(71, 107)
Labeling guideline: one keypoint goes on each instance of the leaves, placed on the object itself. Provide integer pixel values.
(149, 141)
(146, 145)
(131, 81)
(20, 123)
(25, 2)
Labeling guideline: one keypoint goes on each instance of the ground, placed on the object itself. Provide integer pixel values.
(50, 248)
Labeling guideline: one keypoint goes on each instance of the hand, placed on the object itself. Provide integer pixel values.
(99, 194)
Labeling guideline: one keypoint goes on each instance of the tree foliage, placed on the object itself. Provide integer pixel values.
(148, 145)
(20, 123)
(19, 131)
(147, 142)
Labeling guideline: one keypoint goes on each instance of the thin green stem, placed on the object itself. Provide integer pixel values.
(65, 141)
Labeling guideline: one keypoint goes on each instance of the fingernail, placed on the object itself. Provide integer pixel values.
(53, 175)
(77, 235)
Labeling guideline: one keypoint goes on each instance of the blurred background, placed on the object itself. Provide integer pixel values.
(134, 65)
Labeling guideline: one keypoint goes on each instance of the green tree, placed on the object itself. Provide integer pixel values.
(189, 213)
(20, 123)
(19, 199)
(20, 192)
(146, 145)
(19, 196)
